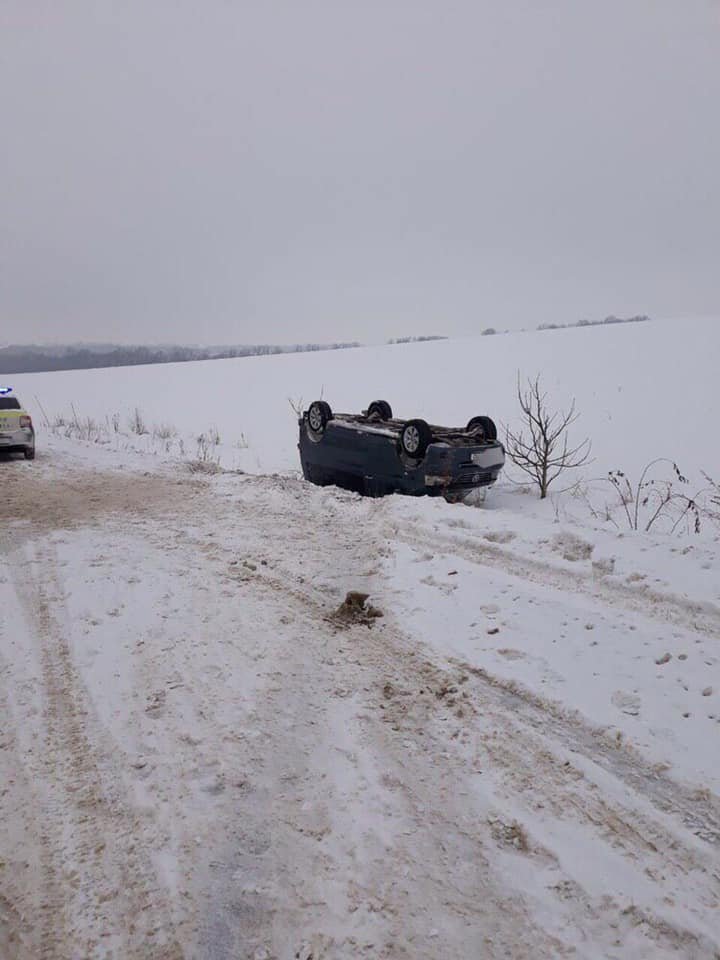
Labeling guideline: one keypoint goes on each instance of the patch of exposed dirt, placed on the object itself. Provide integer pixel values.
(355, 609)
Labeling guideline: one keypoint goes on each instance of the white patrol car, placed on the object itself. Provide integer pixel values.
(16, 427)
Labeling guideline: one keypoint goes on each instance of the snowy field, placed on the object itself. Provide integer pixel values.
(643, 391)
(519, 759)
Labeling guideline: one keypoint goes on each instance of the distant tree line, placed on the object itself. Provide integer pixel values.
(32, 359)
(491, 331)
(593, 323)
(415, 339)
(36, 359)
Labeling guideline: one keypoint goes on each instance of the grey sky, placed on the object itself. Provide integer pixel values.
(239, 171)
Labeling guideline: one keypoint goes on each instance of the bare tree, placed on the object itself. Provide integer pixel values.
(541, 448)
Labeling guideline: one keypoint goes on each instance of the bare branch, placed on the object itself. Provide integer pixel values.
(546, 453)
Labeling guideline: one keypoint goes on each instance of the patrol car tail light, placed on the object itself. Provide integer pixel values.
(25, 422)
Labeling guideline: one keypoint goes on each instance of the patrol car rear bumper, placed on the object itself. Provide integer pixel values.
(16, 441)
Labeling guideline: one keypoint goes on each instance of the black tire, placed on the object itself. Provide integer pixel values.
(30, 453)
(381, 409)
(489, 430)
(318, 415)
(415, 438)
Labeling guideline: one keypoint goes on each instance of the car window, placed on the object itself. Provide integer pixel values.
(9, 403)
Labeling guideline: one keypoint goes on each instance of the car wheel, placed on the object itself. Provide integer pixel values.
(30, 452)
(381, 409)
(318, 415)
(415, 438)
(485, 424)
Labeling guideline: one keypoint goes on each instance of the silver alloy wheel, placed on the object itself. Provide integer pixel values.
(315, 418)
(411, 439)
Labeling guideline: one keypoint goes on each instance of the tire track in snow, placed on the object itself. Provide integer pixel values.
(319, 686)
(551, 767)
(99, 892)
(530, 751)
(16, 933)
(697, 808)
(439, 857)
(695, 616)
(699, 812)
(435, 858)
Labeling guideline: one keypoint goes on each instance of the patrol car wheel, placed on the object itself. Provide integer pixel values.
(318, 415)
(415, 438)
(485, 424)
(30, 453)
(381, 409)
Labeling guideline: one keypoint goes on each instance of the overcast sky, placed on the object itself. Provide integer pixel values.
(354, 169)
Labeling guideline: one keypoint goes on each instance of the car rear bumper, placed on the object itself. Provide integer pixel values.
(451, 471)
(17, 440)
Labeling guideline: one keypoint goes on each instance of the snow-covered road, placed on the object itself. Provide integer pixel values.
(199, 760)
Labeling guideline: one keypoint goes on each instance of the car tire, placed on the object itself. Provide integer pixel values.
(30, 453)
(381, 409)
(415, 438)
(318, 416)
(485, 424)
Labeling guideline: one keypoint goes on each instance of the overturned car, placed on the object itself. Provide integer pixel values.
(375, 454)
